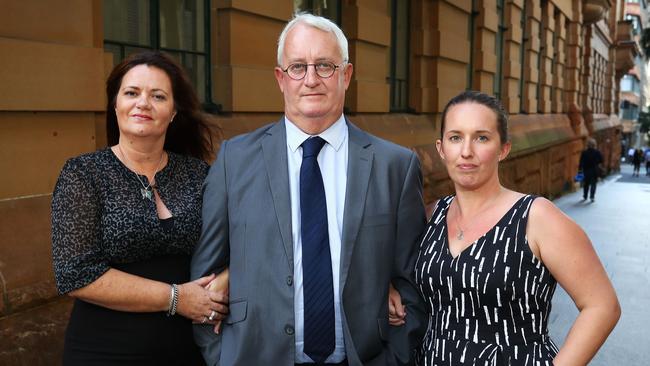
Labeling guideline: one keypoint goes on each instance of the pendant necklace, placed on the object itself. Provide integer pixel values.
(146, 190)
(460, 235)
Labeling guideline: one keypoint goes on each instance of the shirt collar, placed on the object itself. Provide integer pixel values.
(334, 135)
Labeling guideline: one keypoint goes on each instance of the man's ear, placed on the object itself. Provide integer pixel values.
(279, 76)
(347, 74)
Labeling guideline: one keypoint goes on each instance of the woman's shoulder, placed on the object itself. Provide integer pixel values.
(444, 201)
(88, 162)
(189, 163)
(84, 170)
(437, 206)
(544, 214)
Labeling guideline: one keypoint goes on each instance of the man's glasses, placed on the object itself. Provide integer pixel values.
(298, 71)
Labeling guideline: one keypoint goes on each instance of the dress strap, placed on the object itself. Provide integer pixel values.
(440, 210)
(520, 214)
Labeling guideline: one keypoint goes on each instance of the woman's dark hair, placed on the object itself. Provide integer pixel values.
(471, 96)
(189, 133)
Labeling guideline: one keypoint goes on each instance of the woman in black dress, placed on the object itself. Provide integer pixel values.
(490, 258)
(125, 220)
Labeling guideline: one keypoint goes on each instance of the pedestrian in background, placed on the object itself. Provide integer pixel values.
(636, 161)
(647, 161)
(630, 154)
(590, 165)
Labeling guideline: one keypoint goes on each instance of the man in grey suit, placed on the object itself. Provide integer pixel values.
(314, 219)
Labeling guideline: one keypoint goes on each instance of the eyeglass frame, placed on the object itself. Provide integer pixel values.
(336, 67)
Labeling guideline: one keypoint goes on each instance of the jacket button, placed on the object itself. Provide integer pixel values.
(288, 329)
(289, 280)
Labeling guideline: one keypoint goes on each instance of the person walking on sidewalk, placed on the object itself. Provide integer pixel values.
(590, 161)
(647, 161)
(636, 161)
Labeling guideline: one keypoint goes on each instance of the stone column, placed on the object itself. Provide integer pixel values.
(485, 31)
(367, 26)
(244, 53)
(441, 52)
(573, 59)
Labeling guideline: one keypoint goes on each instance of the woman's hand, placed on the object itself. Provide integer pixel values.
(396, 311)
(220, 285)
(199, 304)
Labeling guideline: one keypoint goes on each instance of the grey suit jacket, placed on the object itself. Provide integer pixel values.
(247, 227)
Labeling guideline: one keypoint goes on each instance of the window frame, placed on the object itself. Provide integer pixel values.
(392, 79)
(154, 35)
(522, 56)
(310, 9)
(498, 49)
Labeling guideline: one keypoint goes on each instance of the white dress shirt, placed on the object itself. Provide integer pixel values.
(333, 162)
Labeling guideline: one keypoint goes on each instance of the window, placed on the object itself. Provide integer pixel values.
(399, 56)
(179, 28)
(627, 83)
(498, 76)
(554, 61)
(540, 58)
(330, 9)
(629, 111)
(522, 56)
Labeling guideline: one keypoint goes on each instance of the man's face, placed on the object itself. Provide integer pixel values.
(313, 103)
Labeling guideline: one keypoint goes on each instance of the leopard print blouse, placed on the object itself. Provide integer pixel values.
(100, 218)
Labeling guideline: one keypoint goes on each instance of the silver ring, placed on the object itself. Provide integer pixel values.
(212, 315)
(205, 319)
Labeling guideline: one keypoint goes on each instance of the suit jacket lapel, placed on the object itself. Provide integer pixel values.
(360, 158)
(274, 147)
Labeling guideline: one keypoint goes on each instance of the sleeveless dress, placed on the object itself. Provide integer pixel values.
(489, 305)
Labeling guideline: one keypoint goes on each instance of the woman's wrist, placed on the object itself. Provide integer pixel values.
(173, 300)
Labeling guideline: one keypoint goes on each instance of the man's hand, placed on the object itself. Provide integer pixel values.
(396, 311)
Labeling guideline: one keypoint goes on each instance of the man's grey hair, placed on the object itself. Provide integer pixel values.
(317, 22)
(591, 142)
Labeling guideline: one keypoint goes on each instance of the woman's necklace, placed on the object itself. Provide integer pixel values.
(460, 235)
(146, 190)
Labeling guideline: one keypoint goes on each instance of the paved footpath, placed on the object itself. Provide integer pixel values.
(618, 224)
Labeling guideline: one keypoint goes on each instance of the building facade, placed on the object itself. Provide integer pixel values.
(634, 82)
(555, 64)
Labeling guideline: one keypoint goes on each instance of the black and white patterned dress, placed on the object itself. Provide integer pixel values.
(490, 304)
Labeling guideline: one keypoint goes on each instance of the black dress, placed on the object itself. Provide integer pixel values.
(100, 220)
(490, 304)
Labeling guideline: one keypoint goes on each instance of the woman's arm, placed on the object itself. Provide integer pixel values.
(566, 251)
(122, 291)
(80, 265)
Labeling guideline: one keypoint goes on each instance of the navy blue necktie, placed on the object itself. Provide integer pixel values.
(316, 259)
